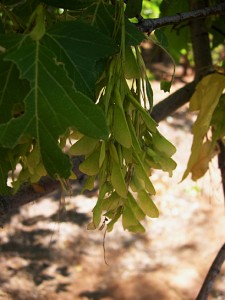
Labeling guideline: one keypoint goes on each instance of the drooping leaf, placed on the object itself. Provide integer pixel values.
(208, 151)
(205, 99)
(51, 106)
(165, 85)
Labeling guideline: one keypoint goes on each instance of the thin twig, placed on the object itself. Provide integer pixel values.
(148, 25)
(212, 274)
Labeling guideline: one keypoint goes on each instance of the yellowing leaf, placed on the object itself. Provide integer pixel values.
(208, 151)
(205, 99)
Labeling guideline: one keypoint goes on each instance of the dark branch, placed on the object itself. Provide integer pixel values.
(213, 272)
(26, 194)
(148, 25)
(170, 104)
(200, 43)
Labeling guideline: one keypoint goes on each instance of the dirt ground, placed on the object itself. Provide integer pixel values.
(47, 254)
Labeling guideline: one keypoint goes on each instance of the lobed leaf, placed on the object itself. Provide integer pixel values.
(51, 106)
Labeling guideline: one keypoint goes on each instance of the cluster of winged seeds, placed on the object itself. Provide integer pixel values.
(124, 162)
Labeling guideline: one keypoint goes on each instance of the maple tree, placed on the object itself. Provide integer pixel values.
(73, 82)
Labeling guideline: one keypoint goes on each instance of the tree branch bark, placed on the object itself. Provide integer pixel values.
(212, 274)
(170, 104)
(200, 43)
(148, 25)
(28, 193)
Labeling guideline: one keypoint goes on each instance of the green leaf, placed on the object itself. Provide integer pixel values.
(24, 10)
(12, 91)
(165, 85)
(103, 17)
(177, 37)
(133, 35)
(51, 106)
(133, 8)
(79, 47)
